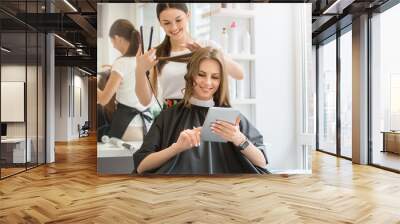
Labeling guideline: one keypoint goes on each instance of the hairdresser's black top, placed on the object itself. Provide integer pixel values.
(209, 157)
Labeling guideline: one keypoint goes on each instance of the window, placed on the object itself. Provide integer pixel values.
(346, 94)
(22, 74)
(327, 97)
(385, 88)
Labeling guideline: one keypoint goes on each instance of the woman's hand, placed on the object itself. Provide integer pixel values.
(146, 61)
(229, 132)
(187, 139)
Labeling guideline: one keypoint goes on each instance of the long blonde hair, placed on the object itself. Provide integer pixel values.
(221, 96)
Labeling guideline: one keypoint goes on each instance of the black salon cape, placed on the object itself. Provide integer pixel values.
(209, 157)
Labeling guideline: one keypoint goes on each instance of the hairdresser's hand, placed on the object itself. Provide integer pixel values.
(188, 139)
(106, 66)
(228, 131)
(192, 46)
(146, 61)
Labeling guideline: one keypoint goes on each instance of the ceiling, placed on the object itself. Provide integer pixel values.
(329, 16)
(76, 22)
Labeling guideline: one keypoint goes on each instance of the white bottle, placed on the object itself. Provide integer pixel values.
(224, 39)
(233, 38)
(240, 89)
(232, 88)
(246, 42)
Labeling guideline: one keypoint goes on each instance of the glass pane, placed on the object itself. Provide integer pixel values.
(346, 93)
(41, 99)
(386, 89)
(31, 97)
(327, 97)
(311, 95)
(13, 71)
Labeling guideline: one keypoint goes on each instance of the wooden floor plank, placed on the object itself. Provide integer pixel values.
(70, 191)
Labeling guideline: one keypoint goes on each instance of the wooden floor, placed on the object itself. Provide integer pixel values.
(70, 191)
(10, 171)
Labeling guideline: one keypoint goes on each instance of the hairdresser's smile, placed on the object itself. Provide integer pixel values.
(176, 33)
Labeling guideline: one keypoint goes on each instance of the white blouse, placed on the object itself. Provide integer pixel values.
(125, 67)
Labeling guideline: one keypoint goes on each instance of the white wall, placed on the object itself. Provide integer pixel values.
(277, 85)
(33, 127)
(68, 81)
(61, 103)
(16, 73)
(80, 84)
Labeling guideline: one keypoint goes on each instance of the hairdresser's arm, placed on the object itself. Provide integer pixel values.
(142, 87)
(103, 97)
(233, 68)
(187, 140)
(144, 62)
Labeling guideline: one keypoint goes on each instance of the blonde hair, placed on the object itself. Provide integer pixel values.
(221, 96)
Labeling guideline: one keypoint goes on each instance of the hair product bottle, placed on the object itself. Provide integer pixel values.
(224, 39)
(246, 42)
(232, 88)
(233, 38)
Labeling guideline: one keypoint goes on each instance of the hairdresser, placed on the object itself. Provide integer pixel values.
(167, 77)
(131, 118)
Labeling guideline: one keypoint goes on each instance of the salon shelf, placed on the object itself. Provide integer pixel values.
(243, 57)
(243, 101)
(225, 12)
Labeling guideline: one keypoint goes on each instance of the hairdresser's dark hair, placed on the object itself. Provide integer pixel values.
(126, 30)
(164, 49)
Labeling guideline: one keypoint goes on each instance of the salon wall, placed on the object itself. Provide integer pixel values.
(277, 84)
(71, 102)
(81, 105)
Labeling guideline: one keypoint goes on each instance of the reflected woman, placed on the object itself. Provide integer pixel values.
(129, 119)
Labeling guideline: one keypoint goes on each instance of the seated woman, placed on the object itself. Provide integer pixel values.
(173, 144)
